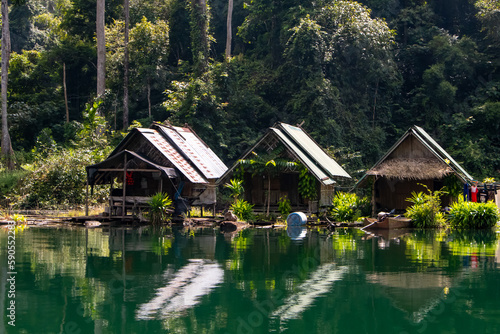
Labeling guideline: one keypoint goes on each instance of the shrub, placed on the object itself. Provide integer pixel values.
(236, 187)
(243, 210)
(471, 215)
(426, 209)
(348, 207)
(284, 206)
(159, 208)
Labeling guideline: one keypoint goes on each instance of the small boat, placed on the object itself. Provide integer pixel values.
(387, 223)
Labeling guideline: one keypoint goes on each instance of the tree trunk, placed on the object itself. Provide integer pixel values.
(125, 67)
(149, 97)
(268, 193)
(7, 152)
(229, 35)
(199, 35)
(65, 93)
(101, 48)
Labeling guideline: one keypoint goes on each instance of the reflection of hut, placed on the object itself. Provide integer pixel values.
(163, 158)
(415, 293)
(414, 160)
(284, 142)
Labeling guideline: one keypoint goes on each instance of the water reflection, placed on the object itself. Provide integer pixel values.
(296, 233)
(320, 282)
(199, 280)
(184, 291)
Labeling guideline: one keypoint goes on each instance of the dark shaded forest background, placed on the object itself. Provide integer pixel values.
(357, 74)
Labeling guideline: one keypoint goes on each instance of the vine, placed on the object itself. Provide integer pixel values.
(307, 184)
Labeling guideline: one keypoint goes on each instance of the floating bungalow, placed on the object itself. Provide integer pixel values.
(162, 158)
(415, 160)
(275, 167)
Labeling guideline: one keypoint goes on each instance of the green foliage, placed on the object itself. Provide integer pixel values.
(236, 187)
(160, 206)
(348, 207)
(19, 219)
(9, 180)
(57, 176)
(284, 206)
(307, 185)
(426, 209)
(332, 64)
(453, 186)
(243, 210)
(472, 215)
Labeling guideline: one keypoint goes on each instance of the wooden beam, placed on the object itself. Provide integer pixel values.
(129, 170)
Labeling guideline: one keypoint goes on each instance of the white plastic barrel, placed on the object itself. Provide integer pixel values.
(296, 219)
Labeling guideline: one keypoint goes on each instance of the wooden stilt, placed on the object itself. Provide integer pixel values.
(373, 196)
(87, 199)
(124, 208)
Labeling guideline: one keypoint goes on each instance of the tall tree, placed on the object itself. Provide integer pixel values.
(7, 151)
(126, 65)
(101, 48)
(200, 41)
(229, 28)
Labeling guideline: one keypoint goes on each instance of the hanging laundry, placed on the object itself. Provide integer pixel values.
(466, 192)
(130, 178)
(482, 196)
(473, 193)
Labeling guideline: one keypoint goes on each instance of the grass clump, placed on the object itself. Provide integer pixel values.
(472, 215)
(348, 207)
(243, 210)
(160, 206)
(426, 209)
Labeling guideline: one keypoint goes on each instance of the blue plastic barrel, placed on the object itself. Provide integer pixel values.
(296, 219)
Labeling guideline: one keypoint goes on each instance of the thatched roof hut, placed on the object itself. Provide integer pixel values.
(416, 159)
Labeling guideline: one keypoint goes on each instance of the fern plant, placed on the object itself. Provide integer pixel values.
(160, 206)
(426, 208)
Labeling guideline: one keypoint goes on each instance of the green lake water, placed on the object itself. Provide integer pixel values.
(137, 280)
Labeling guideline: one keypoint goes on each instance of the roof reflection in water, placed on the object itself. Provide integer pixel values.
(184, 291)
(318, 284)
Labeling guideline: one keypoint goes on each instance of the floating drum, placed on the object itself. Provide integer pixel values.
(296, 219)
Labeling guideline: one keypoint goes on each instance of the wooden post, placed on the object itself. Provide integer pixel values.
(111, 197)
(87, 198)
(65, 93)
(373, 195)
(124, 209)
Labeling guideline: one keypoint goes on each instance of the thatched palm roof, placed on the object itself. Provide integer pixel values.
(414, 169)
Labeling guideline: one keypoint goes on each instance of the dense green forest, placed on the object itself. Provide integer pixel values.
(357, 74)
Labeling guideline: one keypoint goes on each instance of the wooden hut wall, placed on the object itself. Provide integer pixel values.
(285, 184)
(392, 193)
(411, 148)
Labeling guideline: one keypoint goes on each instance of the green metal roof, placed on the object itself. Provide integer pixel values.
(305, 149)
(309, 147)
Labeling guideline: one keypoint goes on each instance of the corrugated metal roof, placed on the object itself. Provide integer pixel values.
(196, 151)
(173, 156)
(305, 149)
(325, 179)
(302, 139)
(441, 153)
